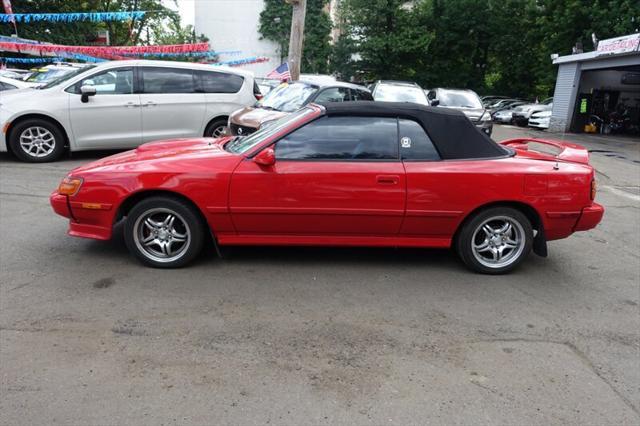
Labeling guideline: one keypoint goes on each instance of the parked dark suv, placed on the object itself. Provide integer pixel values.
(466, 101)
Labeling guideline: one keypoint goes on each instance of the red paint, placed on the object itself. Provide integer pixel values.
(254, 201)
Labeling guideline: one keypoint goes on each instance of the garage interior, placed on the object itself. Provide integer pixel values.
(609, 99)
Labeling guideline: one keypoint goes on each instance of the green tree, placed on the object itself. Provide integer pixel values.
(161, 19)
(275, 25)
(390, 37)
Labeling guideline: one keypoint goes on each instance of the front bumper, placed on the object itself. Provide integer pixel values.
(590, 217)
(4, 124)
(539, 122)
(485, 126)
(92, 222)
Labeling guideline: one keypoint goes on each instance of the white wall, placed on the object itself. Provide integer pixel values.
(233, 25)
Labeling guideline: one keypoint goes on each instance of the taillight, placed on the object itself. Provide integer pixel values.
(69, 186)
(593, 189)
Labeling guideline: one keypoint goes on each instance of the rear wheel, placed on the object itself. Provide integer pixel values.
(216, 129)
(37, 141)
(495, 241)
(164, 232)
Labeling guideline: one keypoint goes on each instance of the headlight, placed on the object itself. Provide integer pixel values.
(70, 186)
(486, 116)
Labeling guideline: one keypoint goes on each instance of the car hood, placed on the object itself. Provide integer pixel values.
(473, 114)
(178, 155)
(533, 107)
(254, 116)
(14, 100)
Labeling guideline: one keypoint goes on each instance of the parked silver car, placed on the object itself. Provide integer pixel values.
(121, 104)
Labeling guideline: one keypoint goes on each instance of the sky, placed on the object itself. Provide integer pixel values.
(186, 9)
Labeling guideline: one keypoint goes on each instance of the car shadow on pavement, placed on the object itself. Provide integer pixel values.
(408, 258)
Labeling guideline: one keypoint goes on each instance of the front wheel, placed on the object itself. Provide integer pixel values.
(495, 241)
(216, 129)
(37, 141)
(164, 232)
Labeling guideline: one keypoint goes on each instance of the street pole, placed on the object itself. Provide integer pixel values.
(297, 36)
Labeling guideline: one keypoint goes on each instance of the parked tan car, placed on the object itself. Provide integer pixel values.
(290, 97)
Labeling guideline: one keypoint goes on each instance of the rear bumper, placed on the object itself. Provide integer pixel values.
(590, 217)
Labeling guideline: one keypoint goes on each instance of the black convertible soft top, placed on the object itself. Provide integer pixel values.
(450, 130)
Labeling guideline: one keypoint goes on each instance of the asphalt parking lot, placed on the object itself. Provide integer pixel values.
(318, 336)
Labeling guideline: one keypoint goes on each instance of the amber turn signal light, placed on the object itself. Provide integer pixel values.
(69, 186)
(594, 187)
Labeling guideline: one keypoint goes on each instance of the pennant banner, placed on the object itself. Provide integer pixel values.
(30, 60)
(108, 52)
(189, 54)
(244, 61)
(72, 17)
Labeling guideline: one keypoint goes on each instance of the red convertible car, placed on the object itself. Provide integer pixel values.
(347, 174)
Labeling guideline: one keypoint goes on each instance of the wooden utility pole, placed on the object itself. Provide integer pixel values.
(296, 39)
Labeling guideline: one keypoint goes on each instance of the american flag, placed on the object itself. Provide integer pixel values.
(281, 73)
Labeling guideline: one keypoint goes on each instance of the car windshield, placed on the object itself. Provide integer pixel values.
(68, 75)
(397, 93)
(243, 144)
(287, 97)
(460, 99)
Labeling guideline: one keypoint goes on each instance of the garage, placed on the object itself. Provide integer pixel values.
(599, 91)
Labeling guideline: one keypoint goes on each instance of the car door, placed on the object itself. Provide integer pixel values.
(436, 195)
(334, 176)
(111, 118)
(172, 107)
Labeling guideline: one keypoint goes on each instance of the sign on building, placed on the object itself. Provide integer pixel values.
(624, 44)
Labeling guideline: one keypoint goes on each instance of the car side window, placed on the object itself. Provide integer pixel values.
(167, 80)
(333, 94)
(415, 143)
(219, 82)
(342, 138)
(111, 82)
(361, 95)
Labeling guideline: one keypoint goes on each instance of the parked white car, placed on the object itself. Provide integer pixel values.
(540, 119)
(13, 84)
(522, 113)
(120, 105)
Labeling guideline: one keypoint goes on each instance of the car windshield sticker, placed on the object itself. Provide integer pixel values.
(405, 142)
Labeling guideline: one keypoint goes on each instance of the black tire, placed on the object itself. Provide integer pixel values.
(216, 126)
(483, 257)
(48, 141)
(187, 224)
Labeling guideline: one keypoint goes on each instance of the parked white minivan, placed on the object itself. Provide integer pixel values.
(120, 105)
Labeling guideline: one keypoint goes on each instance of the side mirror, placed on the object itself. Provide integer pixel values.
(435, 102)
(87, 91)
(266, 157)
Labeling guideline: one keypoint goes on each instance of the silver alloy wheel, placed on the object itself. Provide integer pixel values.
(498, 241)
(37, 141)
(218, 132)
(161, 235)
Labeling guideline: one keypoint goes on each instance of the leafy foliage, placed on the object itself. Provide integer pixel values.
(497, 46)
(275, 25)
